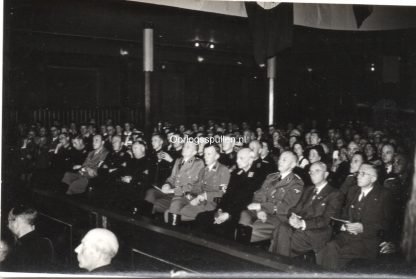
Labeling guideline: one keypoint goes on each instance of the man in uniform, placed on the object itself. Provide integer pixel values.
(161, 162)
(78, 182)
(228, 155)
(367, 214)
(270, 206)
(212, 183)
(113, 164)
(308, 225)
(244, 181)
(184, 175)
(263, 168)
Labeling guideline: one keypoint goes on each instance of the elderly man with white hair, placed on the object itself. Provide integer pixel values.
(96, 250)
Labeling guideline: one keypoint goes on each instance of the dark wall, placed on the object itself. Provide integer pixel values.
(67, 54)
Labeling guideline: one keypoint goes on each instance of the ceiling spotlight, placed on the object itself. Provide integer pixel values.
(196, 44)
(239, 63)
(262, 65)
(211, 46)
(255, 77)
(372, 68)
(163, 66)
(200, 59)
(309, 69)
(123, 52)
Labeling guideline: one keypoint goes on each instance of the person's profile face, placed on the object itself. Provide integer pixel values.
(243, 160)
(13, 223)
(86, 255)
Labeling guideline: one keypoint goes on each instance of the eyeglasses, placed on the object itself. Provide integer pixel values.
(362, 173)
(315, 171)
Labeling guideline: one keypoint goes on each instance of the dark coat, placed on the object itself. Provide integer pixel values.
(376, 217)
(31, 253)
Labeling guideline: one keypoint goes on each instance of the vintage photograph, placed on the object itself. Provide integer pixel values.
(201, 138)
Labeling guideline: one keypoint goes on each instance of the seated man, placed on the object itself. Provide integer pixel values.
(78, 182)
(61, 160)
(212, 183)
(243, 183)
(31, 252)
(367, 215)
(184, 175)
(133, 180)
(114, 163)
(96, 251)
(161, 162)
(228, 155)
(270, 206)
(308, 225)
(264, 167)
(79, 152)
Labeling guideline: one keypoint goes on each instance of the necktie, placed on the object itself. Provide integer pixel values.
(362, 195)
(315, 193)
(181, 164)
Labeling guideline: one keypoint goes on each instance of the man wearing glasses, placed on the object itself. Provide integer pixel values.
(308, 225)
(366, 217)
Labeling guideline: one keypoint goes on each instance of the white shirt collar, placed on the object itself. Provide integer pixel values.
(211, 166)
(366, 190)
(319, 189)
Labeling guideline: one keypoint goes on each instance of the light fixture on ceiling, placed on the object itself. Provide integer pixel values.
(124, 52)
(204, 44)
(200, 59)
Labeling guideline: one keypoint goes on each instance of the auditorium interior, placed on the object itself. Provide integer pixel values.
(95, 92)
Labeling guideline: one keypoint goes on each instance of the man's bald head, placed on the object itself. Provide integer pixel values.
(245, 158)
(97, 249)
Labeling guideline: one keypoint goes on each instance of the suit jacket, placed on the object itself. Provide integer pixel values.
(94, 159)
(185, 176)
(240, 191)
(376, 217)
(277, 196)
(317, 212)
(210, 181)
(31, 253)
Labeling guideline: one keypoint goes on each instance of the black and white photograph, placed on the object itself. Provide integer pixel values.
(208, 139)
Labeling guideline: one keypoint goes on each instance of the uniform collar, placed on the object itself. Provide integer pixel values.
(213, 167)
